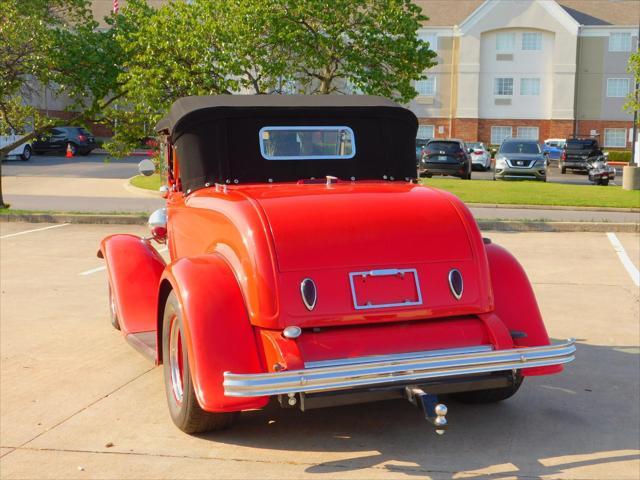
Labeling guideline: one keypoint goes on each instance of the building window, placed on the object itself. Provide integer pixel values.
(529, 86)
(617, 87)
(620, 42)
(532, 41)
(426, 132)
(505, 42)
(530, 133)
(503, 86)
(426, 88)
(498, 134)
(615, 137)
(430, 38)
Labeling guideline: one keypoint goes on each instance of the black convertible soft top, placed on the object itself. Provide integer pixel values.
(217, 137)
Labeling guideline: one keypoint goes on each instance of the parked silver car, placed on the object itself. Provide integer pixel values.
(522, 159)
(480, 156)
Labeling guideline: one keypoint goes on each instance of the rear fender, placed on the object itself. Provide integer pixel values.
(217, 330)
(134, 268)
(516, 305)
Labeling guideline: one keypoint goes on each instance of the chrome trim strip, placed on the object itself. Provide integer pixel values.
(395, 368)
(397, 357)
(380, 273)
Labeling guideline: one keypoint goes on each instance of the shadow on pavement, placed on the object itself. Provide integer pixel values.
(586, 416)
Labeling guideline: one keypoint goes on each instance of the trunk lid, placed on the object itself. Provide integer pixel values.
(376, 252)
(352, 225)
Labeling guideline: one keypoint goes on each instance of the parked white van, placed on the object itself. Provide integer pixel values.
(22, 151)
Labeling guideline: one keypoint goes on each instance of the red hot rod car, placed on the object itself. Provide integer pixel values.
(306, 264)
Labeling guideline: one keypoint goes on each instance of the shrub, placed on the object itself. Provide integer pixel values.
(620, 156)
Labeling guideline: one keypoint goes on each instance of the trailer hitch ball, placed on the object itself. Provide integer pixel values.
(433, 411)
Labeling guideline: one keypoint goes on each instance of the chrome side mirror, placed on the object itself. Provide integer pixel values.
(158, 225)
(146, 167)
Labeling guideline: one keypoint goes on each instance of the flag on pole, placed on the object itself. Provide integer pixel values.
(115, 6)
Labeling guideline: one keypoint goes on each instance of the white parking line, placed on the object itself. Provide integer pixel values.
(104, 267)
(93, 270)
(34, 230)
(632, 270)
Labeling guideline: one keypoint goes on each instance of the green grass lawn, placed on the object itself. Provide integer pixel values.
(507, 192)
(537, 193)
(151, 182)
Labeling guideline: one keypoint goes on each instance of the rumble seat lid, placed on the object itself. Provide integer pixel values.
(361, 225)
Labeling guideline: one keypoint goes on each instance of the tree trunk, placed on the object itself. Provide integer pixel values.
(2, 204)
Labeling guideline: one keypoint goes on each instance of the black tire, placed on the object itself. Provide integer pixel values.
(490, 396)
(185, 412)
(26, 153)
(113, 314)
(563, 170)
(604, 182)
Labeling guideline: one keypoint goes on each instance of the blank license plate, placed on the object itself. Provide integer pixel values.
(442, 158)
(385, 288)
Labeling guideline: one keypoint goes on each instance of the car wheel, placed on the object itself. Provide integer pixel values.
(563, 170)
(26, 153)
(490, 396)
(184, 408)
(604, 181)
(113, 314)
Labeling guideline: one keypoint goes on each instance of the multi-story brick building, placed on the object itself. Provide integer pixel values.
(529, 68)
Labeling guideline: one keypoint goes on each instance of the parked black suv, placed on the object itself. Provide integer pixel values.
(445, 157)
(57, 139)
(576, 152)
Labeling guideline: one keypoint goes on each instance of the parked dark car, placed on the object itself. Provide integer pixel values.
(576, 153)
(57, 139)
(520, 159)
(445, 157)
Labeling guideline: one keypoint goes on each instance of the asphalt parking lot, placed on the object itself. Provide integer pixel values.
(78, 402)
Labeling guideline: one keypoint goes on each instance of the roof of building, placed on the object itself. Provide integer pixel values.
(103, 8)
(585, 12)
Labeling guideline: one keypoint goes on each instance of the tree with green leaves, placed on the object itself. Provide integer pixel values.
(634, 67)
(61, 50)
(205, 47)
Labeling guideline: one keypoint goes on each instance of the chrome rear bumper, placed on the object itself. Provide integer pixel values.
(413, 367)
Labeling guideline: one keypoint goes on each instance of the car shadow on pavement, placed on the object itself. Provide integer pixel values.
(586, 416)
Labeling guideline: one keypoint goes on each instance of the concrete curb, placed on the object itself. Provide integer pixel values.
(513, 206)
(564, 227)
(132, 219)
(484, 224)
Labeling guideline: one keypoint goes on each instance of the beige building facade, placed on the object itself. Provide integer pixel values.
(530, 68)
